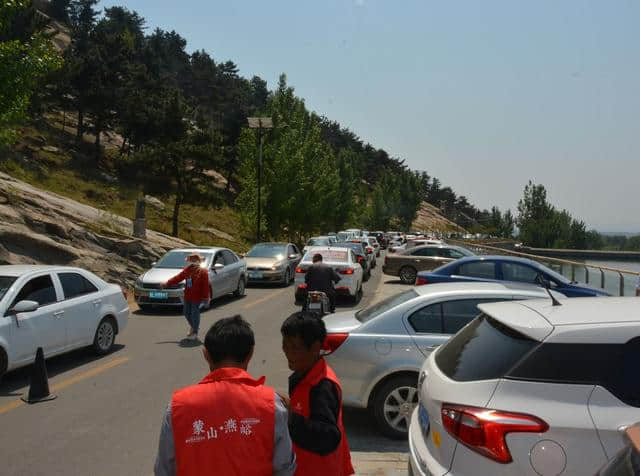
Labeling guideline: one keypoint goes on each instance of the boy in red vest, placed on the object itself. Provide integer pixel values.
(229, 424)
(315, 406)
(196, 291)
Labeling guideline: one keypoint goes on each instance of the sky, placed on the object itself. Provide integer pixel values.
(485, 95)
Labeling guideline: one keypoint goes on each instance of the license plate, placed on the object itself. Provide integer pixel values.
(158, 294)
(423, 419)
(255, 275)
(315, 305)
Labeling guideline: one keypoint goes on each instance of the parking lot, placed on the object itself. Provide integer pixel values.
(107, 416)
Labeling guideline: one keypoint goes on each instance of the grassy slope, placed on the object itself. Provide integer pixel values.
(74, 174)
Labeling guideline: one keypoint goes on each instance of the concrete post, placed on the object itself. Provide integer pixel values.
(140, 222)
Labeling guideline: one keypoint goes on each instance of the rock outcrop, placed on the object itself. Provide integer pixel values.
(40, 227)
(430, 219)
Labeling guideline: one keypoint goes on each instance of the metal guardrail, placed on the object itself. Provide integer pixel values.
(572, 265)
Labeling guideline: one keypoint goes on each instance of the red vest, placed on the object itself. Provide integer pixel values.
(224, 425)
(337, 463)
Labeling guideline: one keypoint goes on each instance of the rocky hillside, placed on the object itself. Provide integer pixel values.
(40, 227)
(430, 219)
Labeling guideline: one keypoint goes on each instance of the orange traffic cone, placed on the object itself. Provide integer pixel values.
(39, 385)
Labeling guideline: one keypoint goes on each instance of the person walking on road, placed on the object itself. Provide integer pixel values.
(315, 400)
(320, 277)
(196, 292)
(229, 424)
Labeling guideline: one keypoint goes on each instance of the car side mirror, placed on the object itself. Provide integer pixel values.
(24, 306)
(293, 256)
(218, 266)
(154, 263)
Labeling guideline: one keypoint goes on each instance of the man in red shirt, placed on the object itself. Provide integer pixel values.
(196, 292)
(315, 406)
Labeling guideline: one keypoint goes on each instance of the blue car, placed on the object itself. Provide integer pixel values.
(505, 268)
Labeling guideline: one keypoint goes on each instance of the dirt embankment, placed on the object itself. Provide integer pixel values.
(430, 219)
(40, 227)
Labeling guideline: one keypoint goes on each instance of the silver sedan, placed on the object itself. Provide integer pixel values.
(377, 352)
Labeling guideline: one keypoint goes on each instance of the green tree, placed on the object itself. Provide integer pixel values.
(26, 58)
(536, 217)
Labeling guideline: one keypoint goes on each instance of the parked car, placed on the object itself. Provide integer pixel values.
(373, 242)
(346, 236)
(530, 388)
(343, 261)
(396, 244)
(57, 308)
(407, 263)
(377, 352)
(227, 274)
(506, 268)
(357, 233)
(368, 250)
(272, 263)
(423, 241)
(361, 256)
(627, 461)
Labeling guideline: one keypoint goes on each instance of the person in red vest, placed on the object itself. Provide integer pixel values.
(196, 291)
(315, 400)
(229, 424)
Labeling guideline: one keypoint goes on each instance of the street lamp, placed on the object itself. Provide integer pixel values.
(259, 123)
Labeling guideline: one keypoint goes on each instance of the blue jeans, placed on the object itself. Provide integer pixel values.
(192, 313)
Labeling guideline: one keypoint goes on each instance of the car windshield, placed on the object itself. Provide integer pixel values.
(178, 259)
(5, 284)
(267, 251)
(371, 312)
(344, 236)
(332, 256)
(357, 248)
(464, 251)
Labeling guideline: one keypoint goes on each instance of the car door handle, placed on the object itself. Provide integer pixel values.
(58, 314)
(431, 347)
(97, 301)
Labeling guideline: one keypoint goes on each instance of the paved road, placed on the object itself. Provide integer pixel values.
(107, 416)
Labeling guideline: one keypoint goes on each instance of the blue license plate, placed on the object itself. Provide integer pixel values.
(158, 294)
(423, 419)
(255, 275)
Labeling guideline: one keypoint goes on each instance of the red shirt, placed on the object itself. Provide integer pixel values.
(224, 426)
(196, 283)
(337, 463)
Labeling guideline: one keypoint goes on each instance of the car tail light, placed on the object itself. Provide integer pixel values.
(360, 259)
(346, 271)
(483, 430)
(302, 286)
(369, 250)
(333, 341)
(421, 280)
(301, 270)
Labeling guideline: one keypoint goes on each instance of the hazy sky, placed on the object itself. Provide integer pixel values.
(485, 95)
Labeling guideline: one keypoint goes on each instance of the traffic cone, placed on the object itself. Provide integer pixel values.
(39, 385)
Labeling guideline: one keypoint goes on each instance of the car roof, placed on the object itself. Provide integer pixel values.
(25, 269)
(209, 249)
(513, 259)
(271, 243)
(486, 287)
(537, 318)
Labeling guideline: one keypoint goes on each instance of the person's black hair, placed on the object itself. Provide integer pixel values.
(317, 257)
(306, 325)
(230, 338)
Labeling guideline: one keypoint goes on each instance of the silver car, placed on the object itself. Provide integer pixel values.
(377, 352)
(227, 274)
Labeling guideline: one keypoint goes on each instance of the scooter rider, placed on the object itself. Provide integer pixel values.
(320, 277)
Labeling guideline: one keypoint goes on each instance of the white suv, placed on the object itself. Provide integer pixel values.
(529, 388)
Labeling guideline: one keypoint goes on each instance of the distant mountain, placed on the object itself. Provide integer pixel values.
(618, 233)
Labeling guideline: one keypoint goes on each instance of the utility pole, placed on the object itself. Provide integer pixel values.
(259, 123)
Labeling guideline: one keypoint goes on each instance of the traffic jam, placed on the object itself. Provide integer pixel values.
(484, 364)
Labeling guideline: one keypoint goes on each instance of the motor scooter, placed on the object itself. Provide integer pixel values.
(318, 302)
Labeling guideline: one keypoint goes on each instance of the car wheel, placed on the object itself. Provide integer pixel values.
(239, 292)
(105, 336)
(287, 278)
(408, 275)
(393, 404)
(4, 363)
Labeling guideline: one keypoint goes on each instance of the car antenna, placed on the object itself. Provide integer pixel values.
(553, 299)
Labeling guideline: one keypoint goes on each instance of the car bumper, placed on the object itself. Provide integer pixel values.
(389, 270)
(264, 276)
(421, 462)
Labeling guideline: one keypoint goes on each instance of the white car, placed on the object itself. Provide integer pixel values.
(343, 261)
(374, 243)
(57, 308)
(319, 241)
(530, 388)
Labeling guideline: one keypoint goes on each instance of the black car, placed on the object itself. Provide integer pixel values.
(380, 236)
(361, 255)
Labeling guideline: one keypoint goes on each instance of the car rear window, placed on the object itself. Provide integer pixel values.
(178, 259)
(333, 256)
(485, 349)
(371, 312)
